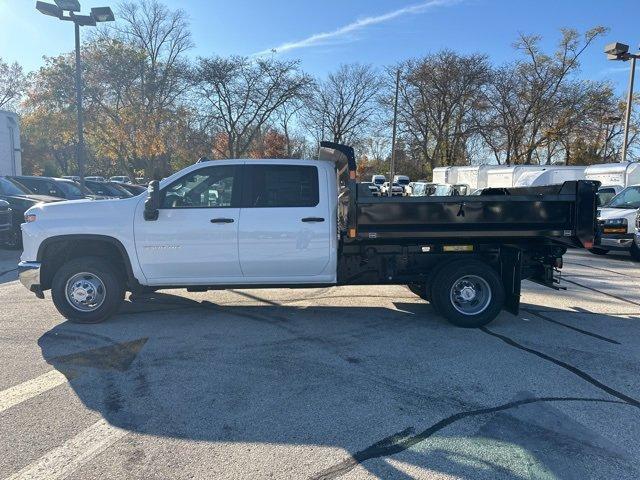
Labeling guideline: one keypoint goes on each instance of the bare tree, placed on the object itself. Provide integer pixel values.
(238, 96)
(344, 106)
(12, 84)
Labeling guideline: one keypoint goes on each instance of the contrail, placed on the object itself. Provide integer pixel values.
(322, 38)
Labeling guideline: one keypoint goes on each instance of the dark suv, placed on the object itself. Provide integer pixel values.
(54, 187)
(20, 199)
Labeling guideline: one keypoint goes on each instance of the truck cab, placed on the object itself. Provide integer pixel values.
(617, 223)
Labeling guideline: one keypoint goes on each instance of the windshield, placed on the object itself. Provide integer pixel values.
(442, 191)
(628, 198)
(70, 189)
(7, 187)
(403, 181)
(379, 181)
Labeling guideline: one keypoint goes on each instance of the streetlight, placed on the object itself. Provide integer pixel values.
(620, 51)
(99, 14)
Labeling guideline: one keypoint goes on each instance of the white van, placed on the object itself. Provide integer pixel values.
(617, 223)
(552, 175)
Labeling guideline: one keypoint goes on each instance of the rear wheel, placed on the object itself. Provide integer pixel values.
(599, 251)
(87, 290)
(635, 252)
(468, 293)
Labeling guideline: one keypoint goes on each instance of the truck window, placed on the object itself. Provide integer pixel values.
(210, 187)
(281, 186)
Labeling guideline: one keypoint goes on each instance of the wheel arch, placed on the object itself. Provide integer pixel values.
(53, 252)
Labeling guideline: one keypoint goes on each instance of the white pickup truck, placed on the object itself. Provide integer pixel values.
(301, 223)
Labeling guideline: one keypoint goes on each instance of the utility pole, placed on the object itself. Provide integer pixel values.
(393, 135)
(80, 145)
(627, 115)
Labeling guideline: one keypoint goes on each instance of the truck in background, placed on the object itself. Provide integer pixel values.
(10, 151)
(551, 175)
(617, 218)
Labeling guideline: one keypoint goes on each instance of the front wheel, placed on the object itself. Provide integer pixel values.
(87, 290)
(468, 293)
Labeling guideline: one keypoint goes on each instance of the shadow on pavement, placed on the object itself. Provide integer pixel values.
(373, 381)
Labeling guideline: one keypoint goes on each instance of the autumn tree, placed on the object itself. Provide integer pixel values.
(13, 84)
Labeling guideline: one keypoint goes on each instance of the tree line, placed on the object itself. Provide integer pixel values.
(150, 108)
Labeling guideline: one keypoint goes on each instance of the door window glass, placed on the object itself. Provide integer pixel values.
(210, 187)
(282, 186)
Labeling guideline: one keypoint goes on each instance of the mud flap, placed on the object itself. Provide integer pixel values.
(511, 274)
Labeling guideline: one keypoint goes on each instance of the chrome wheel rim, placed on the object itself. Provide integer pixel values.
(470, 295)
(85, 292)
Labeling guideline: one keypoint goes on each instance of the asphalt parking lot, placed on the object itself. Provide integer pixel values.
(349, 382)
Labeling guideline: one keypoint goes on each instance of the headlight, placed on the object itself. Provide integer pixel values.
(29, 217)
(616, 221)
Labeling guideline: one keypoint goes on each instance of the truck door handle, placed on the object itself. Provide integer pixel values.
(313, 219)
(222, 220)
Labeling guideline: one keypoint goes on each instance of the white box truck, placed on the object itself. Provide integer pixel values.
(10, 152)
(506, 177)
(474, 175)
(442, 175)
(552, 175)
(611, 174)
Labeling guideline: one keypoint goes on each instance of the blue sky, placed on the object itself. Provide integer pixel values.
(380, 32)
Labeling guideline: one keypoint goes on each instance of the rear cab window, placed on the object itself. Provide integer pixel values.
(280, 186)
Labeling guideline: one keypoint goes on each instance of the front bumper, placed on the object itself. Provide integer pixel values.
(29, 275)
(616, 241)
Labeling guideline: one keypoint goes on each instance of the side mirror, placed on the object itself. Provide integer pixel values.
(152, 203)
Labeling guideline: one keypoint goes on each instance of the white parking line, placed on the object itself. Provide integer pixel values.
(63, 460)
(31, 388)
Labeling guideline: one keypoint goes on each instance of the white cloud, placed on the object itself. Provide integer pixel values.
(325, 37)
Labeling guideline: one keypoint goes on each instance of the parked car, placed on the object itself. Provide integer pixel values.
(133, 189)
(20, 199)
(6, 219)
(55, 187)
(96, 179)
(372, 188)
(617, 224)
(120, 179)
(446, 190)
(396, 191)
(107, 189)
(605, 194)
(404, 182)
(378, 180)
(422, 189)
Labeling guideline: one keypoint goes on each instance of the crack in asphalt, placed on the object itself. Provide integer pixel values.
(579, 330)
(575, 370)
(602, 292)
(401, 441)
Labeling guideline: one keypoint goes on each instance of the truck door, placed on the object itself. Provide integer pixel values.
(195, 238)
(285, 222)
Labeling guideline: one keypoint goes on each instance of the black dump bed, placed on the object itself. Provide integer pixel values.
(559, 213)
(565, 213)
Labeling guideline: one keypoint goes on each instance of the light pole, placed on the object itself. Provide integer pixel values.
(99, 14)
(620, 51)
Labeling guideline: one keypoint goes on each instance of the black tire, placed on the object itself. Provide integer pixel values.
(490, 282)
(635, 252)
(113, 291)
(599, 251)
(421, 290)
